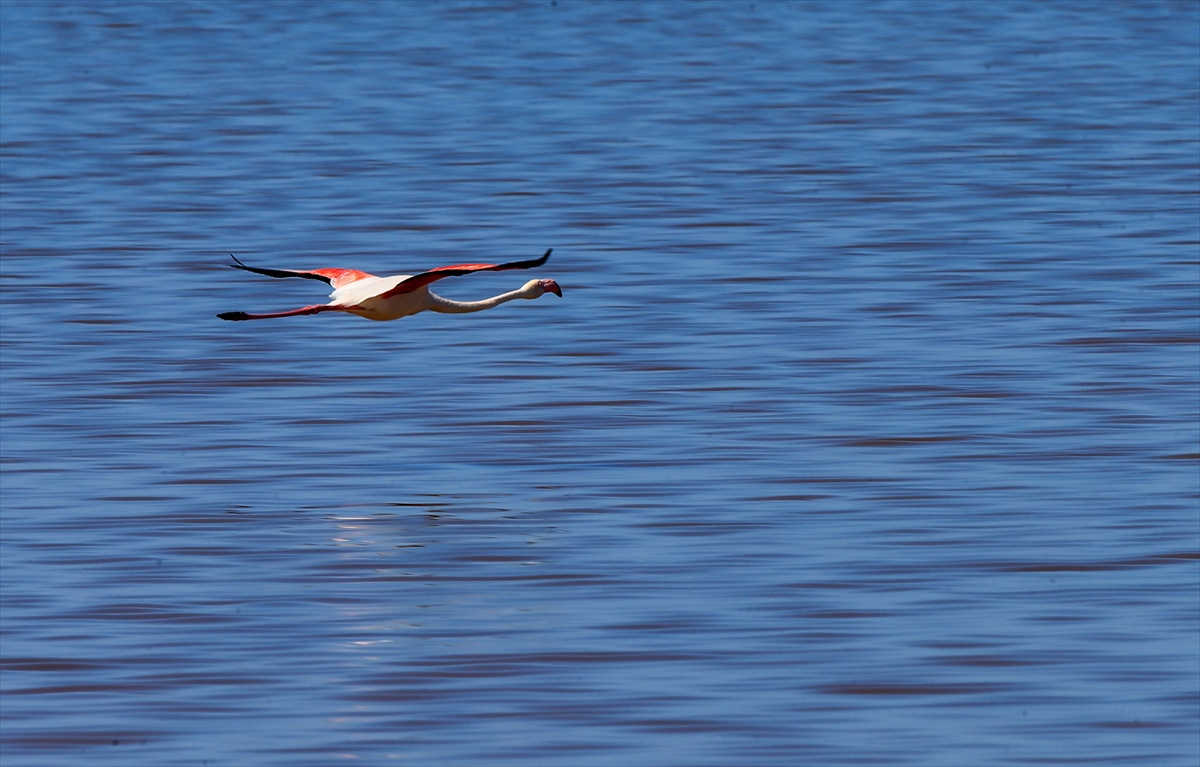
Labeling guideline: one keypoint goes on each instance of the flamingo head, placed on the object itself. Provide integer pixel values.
(538, 288)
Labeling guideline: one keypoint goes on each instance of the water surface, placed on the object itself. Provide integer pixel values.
(866, 431)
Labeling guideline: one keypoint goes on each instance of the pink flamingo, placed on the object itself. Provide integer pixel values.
(390, 298)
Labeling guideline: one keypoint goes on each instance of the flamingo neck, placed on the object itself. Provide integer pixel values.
(447, 306)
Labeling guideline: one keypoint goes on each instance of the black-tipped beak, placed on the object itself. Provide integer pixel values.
(550, 286)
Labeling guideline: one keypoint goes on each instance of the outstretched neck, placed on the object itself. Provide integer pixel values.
(447, 306)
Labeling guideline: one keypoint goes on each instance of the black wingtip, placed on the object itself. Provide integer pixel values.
(528, 264)
(233, 316)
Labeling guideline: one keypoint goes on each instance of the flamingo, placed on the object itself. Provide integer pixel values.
(390, 298)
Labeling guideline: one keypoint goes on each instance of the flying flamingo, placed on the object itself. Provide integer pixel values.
(390, 298)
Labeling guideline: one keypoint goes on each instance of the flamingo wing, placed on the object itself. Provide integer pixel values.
(332, 276)
(433, 275)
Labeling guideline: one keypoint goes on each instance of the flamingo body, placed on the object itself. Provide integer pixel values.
(365, 297)
(390, 298)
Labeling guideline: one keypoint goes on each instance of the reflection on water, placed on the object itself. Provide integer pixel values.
(865, 431)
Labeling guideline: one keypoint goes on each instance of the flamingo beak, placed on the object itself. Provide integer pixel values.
(550, 286)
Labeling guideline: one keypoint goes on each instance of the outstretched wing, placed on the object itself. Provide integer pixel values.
(332, 276)
(433, 275)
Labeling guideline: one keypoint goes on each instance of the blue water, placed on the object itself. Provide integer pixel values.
(867, 430)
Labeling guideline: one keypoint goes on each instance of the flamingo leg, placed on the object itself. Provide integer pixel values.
(314, 309)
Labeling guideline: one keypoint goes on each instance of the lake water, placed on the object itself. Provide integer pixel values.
(867, 430)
